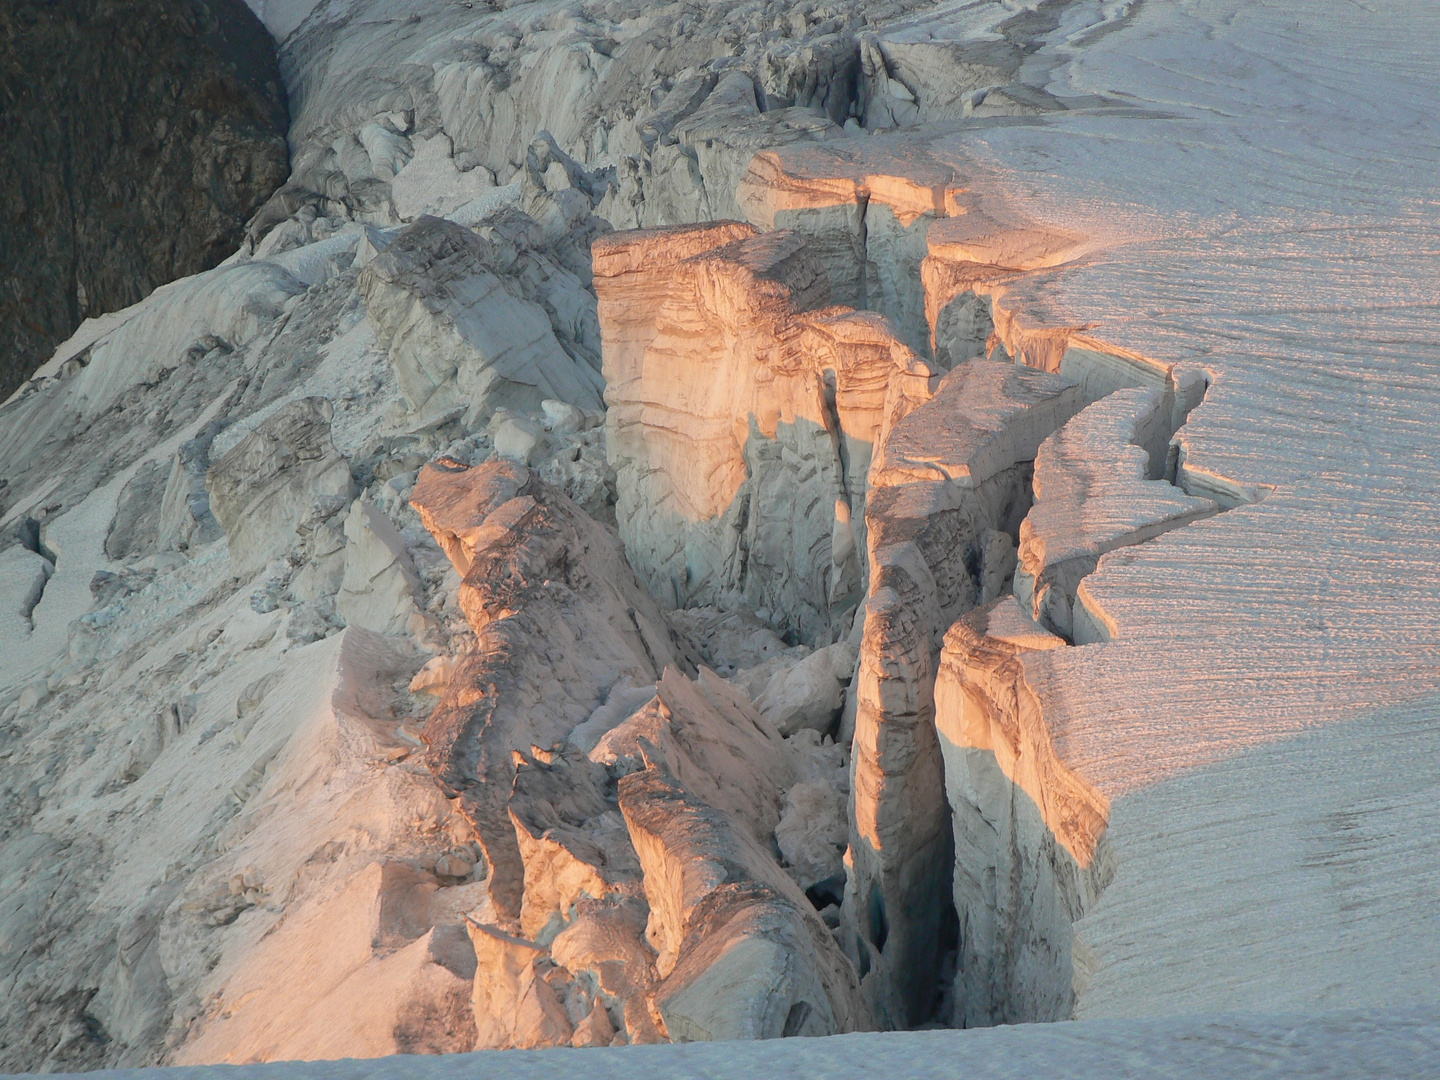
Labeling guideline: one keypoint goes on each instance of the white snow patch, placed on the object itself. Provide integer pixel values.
(1352, 1046)
(281, 17)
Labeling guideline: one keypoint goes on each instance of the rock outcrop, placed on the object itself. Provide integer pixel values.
(137, 140)
(368, 687)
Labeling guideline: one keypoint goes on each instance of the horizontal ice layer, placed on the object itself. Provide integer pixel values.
(866, 208)
(984, 418)
(1211, 247)
(1256, 199)
(1027, 831)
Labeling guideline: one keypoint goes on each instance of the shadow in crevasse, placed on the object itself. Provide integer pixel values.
(789, 546)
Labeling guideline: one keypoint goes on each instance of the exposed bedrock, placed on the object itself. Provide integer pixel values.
(742, 418)
(138, 137)
(815, 753)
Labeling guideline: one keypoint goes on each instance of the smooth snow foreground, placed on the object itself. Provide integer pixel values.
(1352, 1046)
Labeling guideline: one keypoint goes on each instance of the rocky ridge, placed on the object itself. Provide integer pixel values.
(139, 138)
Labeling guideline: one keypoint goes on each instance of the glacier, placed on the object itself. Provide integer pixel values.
(732, 522)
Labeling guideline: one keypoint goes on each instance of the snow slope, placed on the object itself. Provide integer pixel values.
(1258, 721)
(1353, 1046)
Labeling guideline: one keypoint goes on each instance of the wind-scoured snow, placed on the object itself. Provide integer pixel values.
(1260, 718)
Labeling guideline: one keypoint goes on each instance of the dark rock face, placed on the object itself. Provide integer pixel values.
(136, 138)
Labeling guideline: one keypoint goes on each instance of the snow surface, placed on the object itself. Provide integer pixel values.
(1275, 678)
(282, 16)
(1353, 1046)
